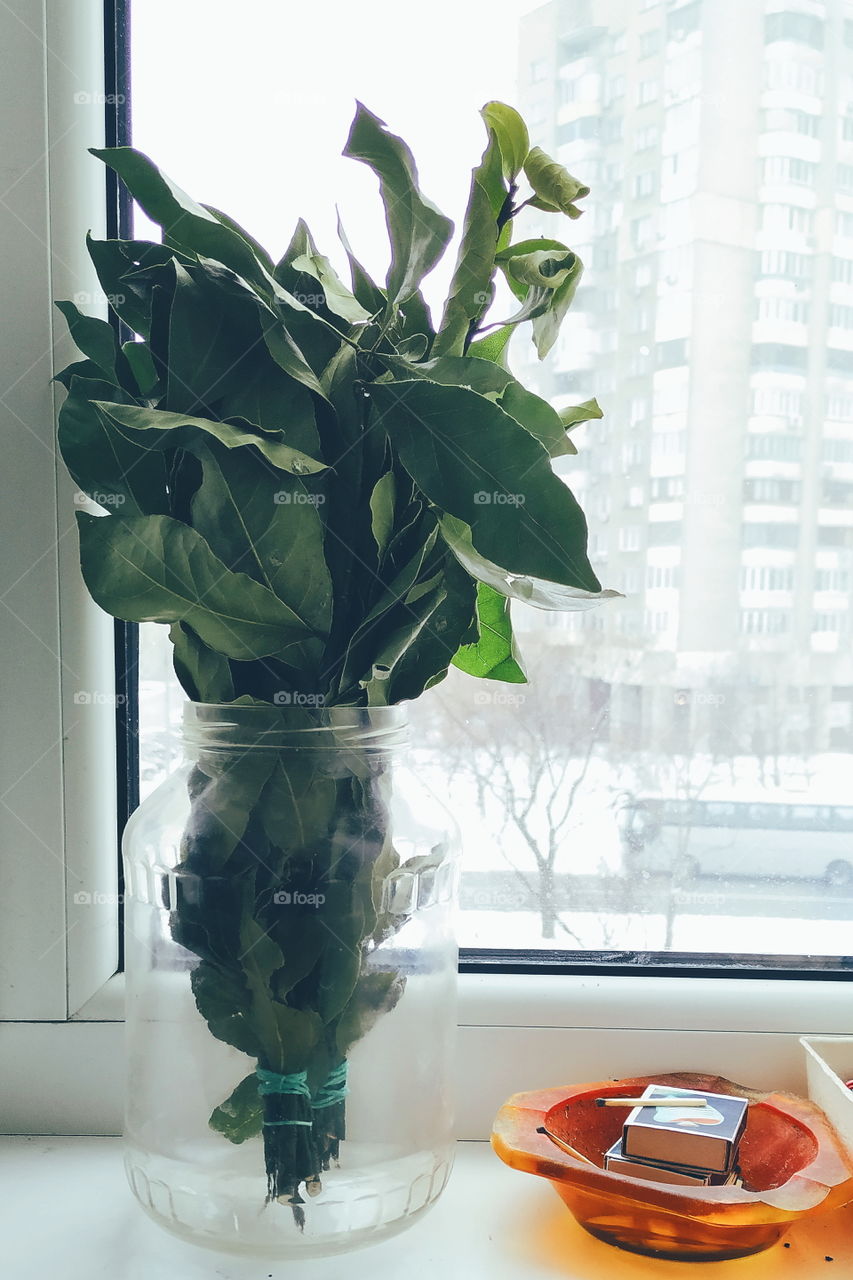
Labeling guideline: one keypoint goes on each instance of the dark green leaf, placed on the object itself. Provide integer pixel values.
(102, 461)
(473, 461)
(496, 383)
(257, 248)
(155, 569)
(365, 289)
(96, 339)
(382, 511)
(450, 624)
(185, 222)
(419, 233)
(121, 267)
(138, 356)
(266, 525)
(339, 300)
(223, 1002)
(205, 676)
(165, 430)
(471, 290)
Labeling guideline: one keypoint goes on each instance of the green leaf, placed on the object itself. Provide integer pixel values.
(224, 795)
(450, 624)
(493, 345)
(205, 676)
(121, 266)
(365, 289)
(496, 383)
(266, 525)
(184, 222)
(155, 569)
(181, 430)
(539, 592)
(541, 268)
(382, 511)
(241, 1115)
(339, 300)
(257, 248)
(212, 329)
(415, 616)
(545, 274)
(511, 134)
(375, 994)
(288, 1035)
(554, 186)
(471, 289)
(268, 398)
(141, 363)
(102, 461)
(418, 231)
(493, 656)
(298, 805)
(96, 339)
(223, 1002)
(475, 462)
(574, 414)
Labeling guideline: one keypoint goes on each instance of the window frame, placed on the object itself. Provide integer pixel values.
(520, 1011)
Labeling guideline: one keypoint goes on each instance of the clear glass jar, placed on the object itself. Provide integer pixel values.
(291, 973)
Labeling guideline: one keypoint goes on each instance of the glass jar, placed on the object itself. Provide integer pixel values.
(291, 973)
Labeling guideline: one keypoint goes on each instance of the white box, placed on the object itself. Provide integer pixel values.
(829, 1062)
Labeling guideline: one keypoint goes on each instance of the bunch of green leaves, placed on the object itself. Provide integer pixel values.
(320, 490)
(328, 498)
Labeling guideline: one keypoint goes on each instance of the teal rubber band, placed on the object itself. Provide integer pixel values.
(308, 1124)
(334, 1088)
(271, 1082)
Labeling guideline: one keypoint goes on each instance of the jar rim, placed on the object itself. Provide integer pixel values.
(229, 725)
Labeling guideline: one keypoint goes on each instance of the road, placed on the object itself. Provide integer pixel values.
(703, 895)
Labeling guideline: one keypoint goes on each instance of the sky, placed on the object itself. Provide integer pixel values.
(247, 106)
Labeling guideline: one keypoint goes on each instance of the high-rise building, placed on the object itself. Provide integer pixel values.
(715, 324)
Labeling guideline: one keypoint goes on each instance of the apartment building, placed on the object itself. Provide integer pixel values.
(715, 324)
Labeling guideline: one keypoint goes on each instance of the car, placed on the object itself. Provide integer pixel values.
(739, 838)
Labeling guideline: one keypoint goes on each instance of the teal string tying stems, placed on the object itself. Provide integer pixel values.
(276, 1082)
(333, 1090)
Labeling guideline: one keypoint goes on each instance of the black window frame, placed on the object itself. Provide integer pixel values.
(119, 222)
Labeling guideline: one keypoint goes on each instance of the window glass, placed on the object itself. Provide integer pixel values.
(674, 776)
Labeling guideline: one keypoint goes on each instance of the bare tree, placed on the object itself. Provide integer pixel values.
(531, 750)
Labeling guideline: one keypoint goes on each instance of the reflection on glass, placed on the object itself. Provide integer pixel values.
(675, 777)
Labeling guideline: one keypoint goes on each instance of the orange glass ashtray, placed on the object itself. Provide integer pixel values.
(791, 1161)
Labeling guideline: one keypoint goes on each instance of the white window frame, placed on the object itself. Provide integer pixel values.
(61, 1000)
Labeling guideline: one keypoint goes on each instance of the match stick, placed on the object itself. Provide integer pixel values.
(651, 1102)
(564, 1146)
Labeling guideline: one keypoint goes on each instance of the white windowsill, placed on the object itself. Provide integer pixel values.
(492, 1223)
